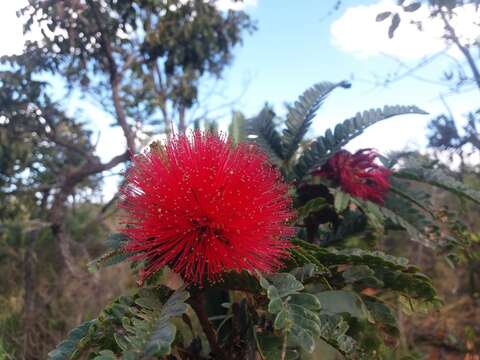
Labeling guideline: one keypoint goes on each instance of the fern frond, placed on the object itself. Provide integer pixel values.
(301, 114)
(411, 198)
(395, 273)
(116, 255)
(67, 348)
(150, 333)
(261, 130)
(439, 179)
(378, 213)
(415, 234)
(322, 148)
(164, 332)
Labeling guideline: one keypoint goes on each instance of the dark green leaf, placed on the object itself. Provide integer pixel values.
(342, 301)
(383, 15)
(412, 7)
(305, 300)
(65, 349)
(393, 25)
(285, 283)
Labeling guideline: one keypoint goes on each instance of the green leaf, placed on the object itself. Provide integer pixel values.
(312, 206)
(294, 311)
(305, 272)
(116, 255)
(116, 240)
(299, 314)
(356, 273)
(271, 347)
(105, 355)
(281, 320)
(400, 192)
(342, 301)
(285, 283)
(331, 257)
(383, 15)
(305, 300)
(412, 7)
(393, 25)
(303, 337)
(66, 348)
(341, 201)
(108, 259)
(275, 305)
(382, 314)
(346, 343)
(378, 214)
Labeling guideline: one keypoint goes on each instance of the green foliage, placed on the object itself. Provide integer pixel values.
(300, 316)
(112, 257)
(143, 63)
(236, 129)
(340, 288)
(262, 130)
(150, 332)
(336, 290)
(138, 327)
(370, 269)
(294, 311)
(301, 114)
(67, 348)
(439, 179)
(283, 149)
(323, 147)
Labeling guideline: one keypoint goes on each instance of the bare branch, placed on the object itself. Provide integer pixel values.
(115, 79)
(464, 49)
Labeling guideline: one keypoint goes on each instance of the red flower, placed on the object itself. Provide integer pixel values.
(358, 174)
(202, 207)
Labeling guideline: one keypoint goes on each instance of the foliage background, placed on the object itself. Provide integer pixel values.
(53, 217)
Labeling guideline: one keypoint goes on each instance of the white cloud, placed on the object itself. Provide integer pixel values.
(357, 32)
(235, 5)
(11, 34)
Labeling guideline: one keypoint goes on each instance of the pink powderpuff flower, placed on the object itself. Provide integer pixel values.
(358, 174)
(203, 206)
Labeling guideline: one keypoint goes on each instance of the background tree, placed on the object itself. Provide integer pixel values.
(142, 62)
(463, 73)
(452, 144)
(335, 296)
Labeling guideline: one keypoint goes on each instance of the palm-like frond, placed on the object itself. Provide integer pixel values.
(301, 114)
(261, 130)
(322, 148)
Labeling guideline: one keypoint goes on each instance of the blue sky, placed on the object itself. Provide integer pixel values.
(295, 46)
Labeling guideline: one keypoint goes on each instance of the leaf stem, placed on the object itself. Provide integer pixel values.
(197, 301)
(284, 345)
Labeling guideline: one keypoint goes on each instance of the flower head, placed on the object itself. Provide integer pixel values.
(202, 207)
(358, 174)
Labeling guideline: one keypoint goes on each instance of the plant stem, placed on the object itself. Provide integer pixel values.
(197, 301)
(284, 346)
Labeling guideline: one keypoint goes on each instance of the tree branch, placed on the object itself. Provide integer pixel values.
(66, 188)
(115, 79)
(464, 49)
